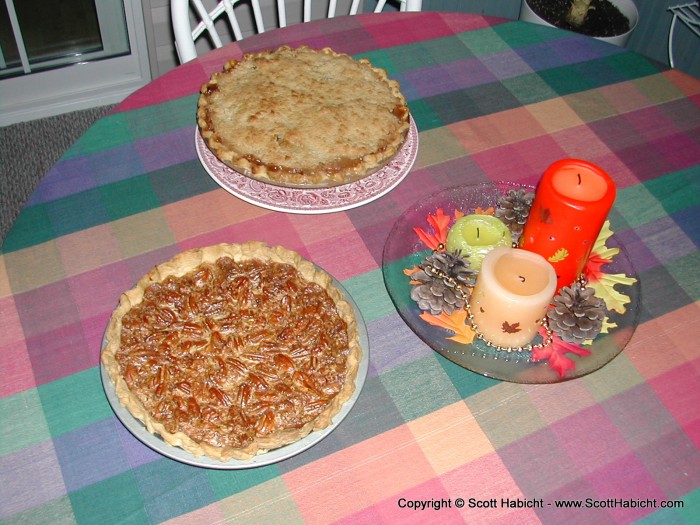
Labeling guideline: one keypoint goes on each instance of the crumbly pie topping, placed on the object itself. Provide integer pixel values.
(233, 350)
(302, 117)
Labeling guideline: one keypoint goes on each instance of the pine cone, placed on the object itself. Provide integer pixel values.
(437, 294)
(514, 208)
(453, 264)
(577, 314)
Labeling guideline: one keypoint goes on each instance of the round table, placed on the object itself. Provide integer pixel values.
(427, 440)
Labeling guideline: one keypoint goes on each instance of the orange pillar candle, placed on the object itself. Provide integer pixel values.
(511, 296)
(572, 201)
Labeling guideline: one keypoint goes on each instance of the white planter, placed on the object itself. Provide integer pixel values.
(626, 7)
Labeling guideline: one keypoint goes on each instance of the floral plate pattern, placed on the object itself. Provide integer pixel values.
(312, 200)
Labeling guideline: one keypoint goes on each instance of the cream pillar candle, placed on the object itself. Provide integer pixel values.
(511, 296)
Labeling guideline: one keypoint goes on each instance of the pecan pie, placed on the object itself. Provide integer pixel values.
(303, 117)
(233, 350)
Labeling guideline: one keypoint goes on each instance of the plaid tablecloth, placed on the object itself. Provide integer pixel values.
(493, 100)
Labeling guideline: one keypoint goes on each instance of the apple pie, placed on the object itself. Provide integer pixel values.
(303, 118)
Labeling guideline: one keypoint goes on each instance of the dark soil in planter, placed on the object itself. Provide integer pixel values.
(604, 20)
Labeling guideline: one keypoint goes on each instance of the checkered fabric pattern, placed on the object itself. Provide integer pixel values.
(493, 100)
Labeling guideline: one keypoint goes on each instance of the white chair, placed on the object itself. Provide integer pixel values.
(186, 35)
(689, 14)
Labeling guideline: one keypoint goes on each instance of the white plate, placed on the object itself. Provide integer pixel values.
(156, 443)
(311, 200)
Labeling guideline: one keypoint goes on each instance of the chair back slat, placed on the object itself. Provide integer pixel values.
(187, 32)
(206, 22)
(281, 14)
(235, 26)
(257, 15)
(307, 11)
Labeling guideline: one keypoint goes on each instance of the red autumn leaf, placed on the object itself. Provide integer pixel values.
(556, 352)
(593, 269)
(440, 224)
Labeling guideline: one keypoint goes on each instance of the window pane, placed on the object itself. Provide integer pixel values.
(58, 29)
(10, 53)
(61, 33)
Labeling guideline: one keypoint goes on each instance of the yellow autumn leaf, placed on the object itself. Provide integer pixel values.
(600, 248)
(605, 290)
(607, 325)
(456, 322)
(559, 255)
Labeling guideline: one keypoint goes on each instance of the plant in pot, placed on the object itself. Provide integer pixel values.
(608, 20)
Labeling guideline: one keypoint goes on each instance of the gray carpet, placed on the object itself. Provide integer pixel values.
(27, 152)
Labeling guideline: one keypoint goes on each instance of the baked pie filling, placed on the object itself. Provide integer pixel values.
(303, 117)
(233, 350)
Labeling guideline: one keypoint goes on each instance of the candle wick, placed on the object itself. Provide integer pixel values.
(522, 278)
(477, 232)
(579, 178)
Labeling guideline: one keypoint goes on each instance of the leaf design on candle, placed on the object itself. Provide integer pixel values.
(456, 322)
(559, 255)
(546, 215)
(510, 328)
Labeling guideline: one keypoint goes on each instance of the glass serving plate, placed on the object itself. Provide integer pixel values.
(404, 250)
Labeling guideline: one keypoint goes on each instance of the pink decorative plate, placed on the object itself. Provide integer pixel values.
(312, 200)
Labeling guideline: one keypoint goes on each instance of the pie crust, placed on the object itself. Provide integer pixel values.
(303, 117)
(233, 350)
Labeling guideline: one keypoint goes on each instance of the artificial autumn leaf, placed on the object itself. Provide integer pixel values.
(510, 328)
(456, 322)
(440, 224)
(605, 290)
(555, 353)
(599, 246)
(481, 211)
(410, 272)
(593, 269)
(607, 325)
(559, 255)
(600, 254)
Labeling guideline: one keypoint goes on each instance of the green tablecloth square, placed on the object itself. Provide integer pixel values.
(420, 387)
(74, 401)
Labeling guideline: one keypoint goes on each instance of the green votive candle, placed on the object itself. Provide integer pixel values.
(477, 235)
